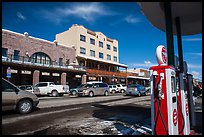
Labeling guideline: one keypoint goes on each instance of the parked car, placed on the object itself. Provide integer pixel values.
(49, 88)
(16, 99)
(31, 88)
(94, 89)
(121, 87)
(113, 89)
(74, 91)
(135, 89)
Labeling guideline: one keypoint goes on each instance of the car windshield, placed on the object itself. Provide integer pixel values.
(87, 85)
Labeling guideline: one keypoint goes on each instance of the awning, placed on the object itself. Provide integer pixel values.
(190, 14)
(101, 60)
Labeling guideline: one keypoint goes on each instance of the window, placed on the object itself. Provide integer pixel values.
(4, 52)
(41, 85)
(82, 50)
(60, 61)
(108, 57)
(115, 58)
(40, 57)
(16, 55)
(100, 44)
(108, 46)
(100, 55)
(82, 38)
(114, 48)
(92, 41)
(7, 87)
(103, 85)
(92, 53)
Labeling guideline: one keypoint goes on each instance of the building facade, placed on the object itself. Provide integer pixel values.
(31, 60)
(138, 76)
(95, 51)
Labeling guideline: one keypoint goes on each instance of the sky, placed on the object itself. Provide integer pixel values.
(123, 21)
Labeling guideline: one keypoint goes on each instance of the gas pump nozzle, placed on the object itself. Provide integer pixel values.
(160, 94)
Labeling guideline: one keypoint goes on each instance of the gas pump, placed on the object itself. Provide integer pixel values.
(164, 114)
(190, 99)
(183, 107)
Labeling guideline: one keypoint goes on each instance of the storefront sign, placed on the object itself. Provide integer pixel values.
(14, 71)
(78, 76)
(55, 74)
(25, 72)
(45, 73)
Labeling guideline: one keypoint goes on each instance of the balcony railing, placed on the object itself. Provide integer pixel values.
(40, 62)
(103, 72)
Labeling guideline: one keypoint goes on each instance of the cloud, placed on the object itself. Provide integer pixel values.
(88, 11)
(194, 66)
(193, 39)
(146, 64)
(195, 54)
(196, 75)
(20, 16)
(132, 19)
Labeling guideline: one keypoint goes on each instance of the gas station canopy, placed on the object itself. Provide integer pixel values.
(190, 14)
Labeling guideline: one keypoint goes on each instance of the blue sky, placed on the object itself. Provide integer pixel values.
(123, 21)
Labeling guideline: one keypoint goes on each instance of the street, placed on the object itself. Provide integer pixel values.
(69, 115)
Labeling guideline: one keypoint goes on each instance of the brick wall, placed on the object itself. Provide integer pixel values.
(14, 41)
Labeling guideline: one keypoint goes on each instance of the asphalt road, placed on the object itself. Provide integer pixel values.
(111, 115)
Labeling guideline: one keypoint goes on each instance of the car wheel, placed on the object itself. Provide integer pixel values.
(91, 94)
(106, 93)
(113, 91)
(74, 93)
(55, 93)
(139, 94)
(122, 90)
(24, 106)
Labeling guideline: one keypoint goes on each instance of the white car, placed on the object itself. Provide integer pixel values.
(49, 88)
(113, 88)
(121, 87)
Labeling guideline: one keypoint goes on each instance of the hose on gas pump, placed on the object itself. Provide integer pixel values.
(179, 105)
(159, 110)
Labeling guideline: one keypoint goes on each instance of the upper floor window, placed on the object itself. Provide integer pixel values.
(82, 38)
(92, 41)
(40, 57)
(92, 53)
(115, 58)
(16, 55)
(100, 55)
(4, 52)
(114, 48)
(108, 46)
(108, 57)
(82, 50)
(100, 44)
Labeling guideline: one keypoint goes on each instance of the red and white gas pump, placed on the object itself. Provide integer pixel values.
(164, 114)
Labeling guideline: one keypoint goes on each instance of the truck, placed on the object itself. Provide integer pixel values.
(49, 88)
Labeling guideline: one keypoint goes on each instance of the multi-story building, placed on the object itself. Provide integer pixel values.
(30, 60)
(139, 76)
(97, 52)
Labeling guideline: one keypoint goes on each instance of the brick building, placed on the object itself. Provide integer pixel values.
(32, 60)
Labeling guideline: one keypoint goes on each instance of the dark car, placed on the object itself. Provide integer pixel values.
(74, 91)
(135, 89)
